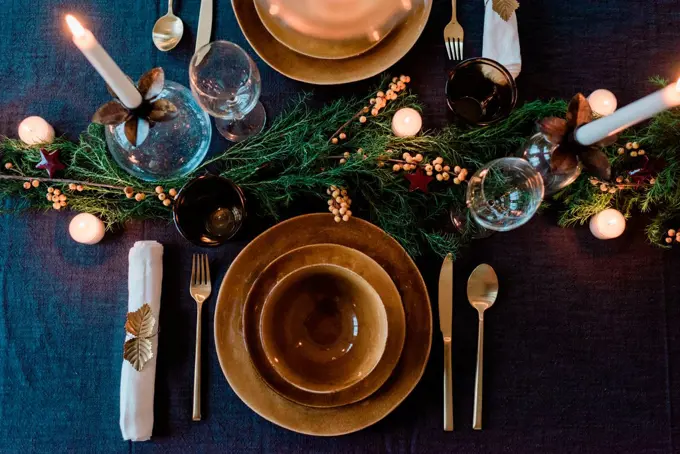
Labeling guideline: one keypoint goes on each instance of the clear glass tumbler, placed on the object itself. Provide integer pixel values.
(226, 83)
(504, 194)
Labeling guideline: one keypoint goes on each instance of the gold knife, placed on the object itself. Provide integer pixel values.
(445, 322)
(204, 24)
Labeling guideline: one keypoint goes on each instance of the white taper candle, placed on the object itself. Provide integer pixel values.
(104, 64)
(629, 115)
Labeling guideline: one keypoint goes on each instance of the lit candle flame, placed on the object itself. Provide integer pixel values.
(677, 86)
(77, 29)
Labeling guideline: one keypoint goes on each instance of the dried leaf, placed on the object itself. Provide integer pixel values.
(505, 8)
(554, 128)
(162, 110)
(137, 351)
(151, 84)
(111, 113)
(596, 163)
(136, 130)
(141, 322)
(563, 161)
(578, 112)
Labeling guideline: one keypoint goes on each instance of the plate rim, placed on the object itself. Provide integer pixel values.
(426, 351)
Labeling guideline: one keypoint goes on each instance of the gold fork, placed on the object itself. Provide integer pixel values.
(200, 291)
(453, 37)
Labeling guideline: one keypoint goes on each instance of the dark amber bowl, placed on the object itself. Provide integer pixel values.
(481, 91)
(209, 210)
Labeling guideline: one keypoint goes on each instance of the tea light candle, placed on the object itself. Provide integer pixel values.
(607, 224)
(406, 122)
(86, 228)
(603, 102)
(35, 130)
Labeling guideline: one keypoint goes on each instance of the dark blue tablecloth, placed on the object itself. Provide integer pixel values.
(582, 348)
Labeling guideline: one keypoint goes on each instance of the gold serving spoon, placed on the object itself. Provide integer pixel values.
(482, 291)
(167, 31)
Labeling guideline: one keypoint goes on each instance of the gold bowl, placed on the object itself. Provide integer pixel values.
(323, 328)
(315, 47)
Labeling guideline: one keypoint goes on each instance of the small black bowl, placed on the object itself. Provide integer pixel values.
(481, 91)
(209, 210)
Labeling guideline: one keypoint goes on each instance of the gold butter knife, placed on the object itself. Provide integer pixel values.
(204, 24)
(445, 322)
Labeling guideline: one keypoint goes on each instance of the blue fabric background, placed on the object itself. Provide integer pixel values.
(582, 349)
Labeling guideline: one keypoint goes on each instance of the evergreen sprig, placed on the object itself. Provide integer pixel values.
(294, 158)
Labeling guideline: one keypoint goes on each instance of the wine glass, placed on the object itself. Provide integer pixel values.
(226, 83)
(504, 194)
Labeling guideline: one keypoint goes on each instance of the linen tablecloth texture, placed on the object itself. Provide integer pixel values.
(582, 348)
(501, 40)
(145, 278)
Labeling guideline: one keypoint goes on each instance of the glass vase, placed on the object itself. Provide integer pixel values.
(173, 148)
(538, 151)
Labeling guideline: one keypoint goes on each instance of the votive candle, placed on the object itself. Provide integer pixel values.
(607, 224)
(406, 122)
(86, 228)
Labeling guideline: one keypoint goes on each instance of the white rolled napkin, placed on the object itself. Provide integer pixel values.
(145, 276)
(501, 40)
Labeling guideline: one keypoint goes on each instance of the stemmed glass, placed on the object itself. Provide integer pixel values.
(226, 83)
(504, 194)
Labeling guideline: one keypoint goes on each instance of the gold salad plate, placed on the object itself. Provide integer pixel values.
(236, 361)
(326, 71)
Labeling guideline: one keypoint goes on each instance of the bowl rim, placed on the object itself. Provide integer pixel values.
(381, 345)
(469, 61)
(181, 194)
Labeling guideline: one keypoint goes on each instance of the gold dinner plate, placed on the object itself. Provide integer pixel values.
(235, 360)
(350, 259)
(330, 72)
(310, 46)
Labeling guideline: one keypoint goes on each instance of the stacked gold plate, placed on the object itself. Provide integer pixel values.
(309, 370)
(318, 62)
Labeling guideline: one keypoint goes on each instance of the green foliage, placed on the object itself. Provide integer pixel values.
(294, 159)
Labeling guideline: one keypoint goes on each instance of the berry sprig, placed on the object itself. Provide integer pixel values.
(339, 203)
(672, 234)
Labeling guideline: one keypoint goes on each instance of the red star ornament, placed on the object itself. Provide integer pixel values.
(418, 180)
(50, 162)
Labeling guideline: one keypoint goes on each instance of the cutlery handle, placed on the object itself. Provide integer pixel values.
(477, 413)
(448, 387)
(197, 366)
(170, 6)
(453, 10)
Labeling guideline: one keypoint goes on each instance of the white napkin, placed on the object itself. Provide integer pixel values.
(501, 40)
(145, 275)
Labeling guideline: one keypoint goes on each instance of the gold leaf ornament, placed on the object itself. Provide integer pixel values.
(505, 8)
(138, 350)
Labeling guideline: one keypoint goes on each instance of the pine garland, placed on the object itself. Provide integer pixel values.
(294, 158)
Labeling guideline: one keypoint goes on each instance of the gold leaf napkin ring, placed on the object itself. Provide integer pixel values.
(138, 349)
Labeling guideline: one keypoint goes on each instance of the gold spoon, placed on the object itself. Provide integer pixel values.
(482, 291)
(167, 31)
